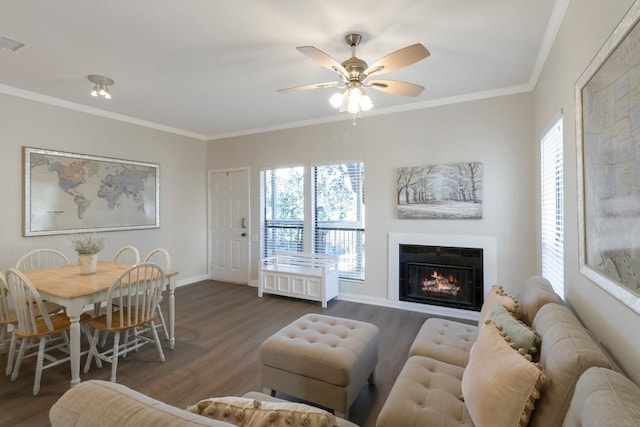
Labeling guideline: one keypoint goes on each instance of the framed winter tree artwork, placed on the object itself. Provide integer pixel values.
(450, 191)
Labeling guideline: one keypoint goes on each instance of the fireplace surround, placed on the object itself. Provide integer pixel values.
(489, 268)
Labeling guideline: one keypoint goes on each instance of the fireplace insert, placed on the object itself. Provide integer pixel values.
(440, 275)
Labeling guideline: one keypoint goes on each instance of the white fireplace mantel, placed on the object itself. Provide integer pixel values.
(489, 264)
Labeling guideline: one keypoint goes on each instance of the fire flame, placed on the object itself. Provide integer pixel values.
(441, 284)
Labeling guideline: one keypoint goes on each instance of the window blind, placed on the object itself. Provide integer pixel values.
(338, 206)
(282, 210)
(552, 210)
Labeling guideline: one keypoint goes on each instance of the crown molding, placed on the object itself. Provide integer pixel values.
(555, 21)
(9, 90)
(383, 111)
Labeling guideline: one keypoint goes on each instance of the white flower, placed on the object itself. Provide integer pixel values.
(87, 244)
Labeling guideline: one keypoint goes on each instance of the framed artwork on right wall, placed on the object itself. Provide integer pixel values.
(608, 153)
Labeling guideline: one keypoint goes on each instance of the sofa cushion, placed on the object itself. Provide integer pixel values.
(499, 385)
(497, 294)
(521, 335)
(426, 393)
(536, 292)
(444, 340)
(566, 352)
(604, 398)
(245, 412)
(268, 398)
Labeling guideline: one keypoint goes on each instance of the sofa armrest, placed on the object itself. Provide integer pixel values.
(604, 398)
(98, 403)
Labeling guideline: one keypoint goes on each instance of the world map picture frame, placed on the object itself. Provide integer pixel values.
(66, 193)
(607, 98)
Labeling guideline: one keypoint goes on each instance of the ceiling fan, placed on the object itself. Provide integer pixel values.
(355, 75)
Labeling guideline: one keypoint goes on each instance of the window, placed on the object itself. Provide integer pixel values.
(337, 202)
(339, 216)
(282, 210)
(552, 217)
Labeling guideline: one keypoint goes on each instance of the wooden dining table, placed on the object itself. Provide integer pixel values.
(65, 285)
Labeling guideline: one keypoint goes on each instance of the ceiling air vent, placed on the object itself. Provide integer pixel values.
(12, 45)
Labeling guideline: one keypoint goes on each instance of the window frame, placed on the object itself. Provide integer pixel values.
(309, 228)
(552, 206)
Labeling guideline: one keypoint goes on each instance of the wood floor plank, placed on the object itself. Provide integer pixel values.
(219, 328)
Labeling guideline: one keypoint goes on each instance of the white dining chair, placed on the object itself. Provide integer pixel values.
(37, 328)
(161, 257)
(132, 304)
(9, 317)
(41, 258)
(127, 255)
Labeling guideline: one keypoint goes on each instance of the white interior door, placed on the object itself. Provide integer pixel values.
(229, 226)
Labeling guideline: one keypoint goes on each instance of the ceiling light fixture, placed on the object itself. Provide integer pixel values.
(101, 87)
(352, 99)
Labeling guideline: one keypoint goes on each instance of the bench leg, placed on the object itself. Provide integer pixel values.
(372, 377)
(271, 392)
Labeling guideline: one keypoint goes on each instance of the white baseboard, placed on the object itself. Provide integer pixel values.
(409, 306)
(381, 302)
(191, 280)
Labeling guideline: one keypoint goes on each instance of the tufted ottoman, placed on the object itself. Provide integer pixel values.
(321, 359)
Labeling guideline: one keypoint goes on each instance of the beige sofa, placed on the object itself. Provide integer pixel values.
(98, 403)
(445, 383)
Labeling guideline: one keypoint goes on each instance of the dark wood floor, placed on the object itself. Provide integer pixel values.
(219, 328)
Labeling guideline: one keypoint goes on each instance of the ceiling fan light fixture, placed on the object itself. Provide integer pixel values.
(353, 107)
(337, 99)
(355, 95)
(366, 104)
(354, 101)
(94, 91)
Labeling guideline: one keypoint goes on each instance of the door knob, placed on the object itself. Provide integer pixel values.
(244, 234)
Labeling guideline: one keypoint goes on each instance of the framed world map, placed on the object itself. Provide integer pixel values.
(68, 193)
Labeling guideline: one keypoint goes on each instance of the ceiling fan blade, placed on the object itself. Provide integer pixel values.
(398, 59)
(394, 87)
(323, 59)
(307, 87)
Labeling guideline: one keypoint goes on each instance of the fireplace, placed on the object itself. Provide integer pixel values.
(441, 275)
(489, 247)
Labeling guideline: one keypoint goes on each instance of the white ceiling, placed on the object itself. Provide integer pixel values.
(211, 68)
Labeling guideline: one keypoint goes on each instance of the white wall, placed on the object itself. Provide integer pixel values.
(183, 180)
(497, 132)
(586, 26)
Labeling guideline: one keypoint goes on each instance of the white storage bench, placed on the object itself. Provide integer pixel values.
(300, 275)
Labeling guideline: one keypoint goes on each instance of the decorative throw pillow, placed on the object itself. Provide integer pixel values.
(497, 294)
(519, 333)
(244, 412)
(499, 385)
